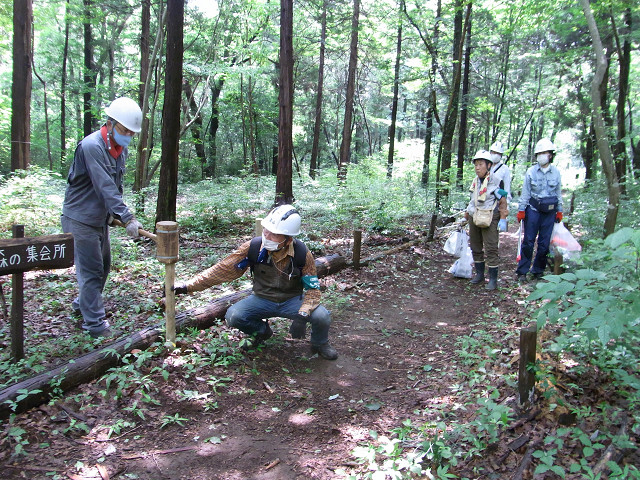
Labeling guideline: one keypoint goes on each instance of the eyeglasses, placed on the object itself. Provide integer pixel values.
(123, 130)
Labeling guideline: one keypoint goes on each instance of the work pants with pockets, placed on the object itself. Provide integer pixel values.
(484, 241)
(92, 257)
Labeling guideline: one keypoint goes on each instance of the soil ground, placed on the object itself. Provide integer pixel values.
(282, 413)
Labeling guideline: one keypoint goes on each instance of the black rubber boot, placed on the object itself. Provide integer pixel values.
(493, 278)
(479, 276)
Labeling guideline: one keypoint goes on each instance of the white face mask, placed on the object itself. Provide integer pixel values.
(270, 245)
(543, 159)
(496, 157)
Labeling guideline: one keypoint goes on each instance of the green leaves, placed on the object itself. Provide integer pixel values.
(601, 303)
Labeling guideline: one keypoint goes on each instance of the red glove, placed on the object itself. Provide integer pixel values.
(520, 215)
(558, 217)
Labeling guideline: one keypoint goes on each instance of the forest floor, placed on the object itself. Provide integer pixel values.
(281, 412)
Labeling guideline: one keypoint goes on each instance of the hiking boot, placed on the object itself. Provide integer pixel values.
(106, 333)
(298, 329)
(325, 350)
(255, 340)
(479, 276)
(522, 278)
(493, 279)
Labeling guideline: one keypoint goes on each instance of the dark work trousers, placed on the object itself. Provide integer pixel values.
(484, 241)
(540, 225)
(92, 257)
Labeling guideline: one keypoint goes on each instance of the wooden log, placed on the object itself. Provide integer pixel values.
(527, 378)
(94, 364)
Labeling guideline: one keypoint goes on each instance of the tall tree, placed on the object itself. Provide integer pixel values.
(606, 157)
(143, 140)
(284, 187)
(21, 85)
(168, 186)
(89, 68)
(345, 146)
(394, 102)
(63, 88)
(313, 164)
(624, 59)
(446, 142)
(462, 138)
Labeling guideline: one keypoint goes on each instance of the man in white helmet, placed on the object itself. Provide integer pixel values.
(93, 198)
(500, 171)
(285, 284)
(540, 205)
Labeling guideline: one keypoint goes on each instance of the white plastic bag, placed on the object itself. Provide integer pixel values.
(456, 243)
(563, 243)
(462, 267)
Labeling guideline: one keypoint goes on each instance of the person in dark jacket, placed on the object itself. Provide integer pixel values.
(285, 284)
(92, 200)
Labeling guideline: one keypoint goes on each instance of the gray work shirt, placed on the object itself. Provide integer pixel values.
(540, 184)
(95, 184)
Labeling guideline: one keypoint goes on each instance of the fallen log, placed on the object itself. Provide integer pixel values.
(37, 390)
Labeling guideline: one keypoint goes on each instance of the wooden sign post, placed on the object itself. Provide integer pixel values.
(21, 254)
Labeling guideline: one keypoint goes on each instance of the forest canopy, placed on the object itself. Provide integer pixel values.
(452, 76)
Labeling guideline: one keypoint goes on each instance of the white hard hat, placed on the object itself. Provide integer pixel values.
(283, 220)
(126, 112)
(544, 145)
(496, 147)
(482, 155)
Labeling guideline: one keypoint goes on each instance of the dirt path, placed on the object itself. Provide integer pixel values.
(287, 415)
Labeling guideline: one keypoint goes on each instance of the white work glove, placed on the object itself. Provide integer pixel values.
(132, 228)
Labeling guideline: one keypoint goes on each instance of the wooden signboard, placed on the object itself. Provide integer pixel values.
(21, 254)
(30, 253)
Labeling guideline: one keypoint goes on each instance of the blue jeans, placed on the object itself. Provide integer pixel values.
(540, 225)
(249, 315)
(92, 257)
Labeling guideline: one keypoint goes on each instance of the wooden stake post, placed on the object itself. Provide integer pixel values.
(526, 377)
(167, 244)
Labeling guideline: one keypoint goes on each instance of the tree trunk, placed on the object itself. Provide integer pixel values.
(345, 146)
(608, 166)
(21, 85)
(284, 186)
(394, 104)
(624, 56)
(89, 69)
(94, 364)
(252, 128)
(46, 113)
(315, 148)
(63, 90)
(168, 186)
(446, 143)
(462, 138)
(216, 90)
(143, 92)
(196, 124)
